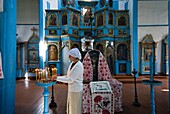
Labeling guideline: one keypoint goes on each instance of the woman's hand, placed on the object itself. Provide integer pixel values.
(54, 77)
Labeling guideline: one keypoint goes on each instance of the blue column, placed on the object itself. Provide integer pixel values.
(135, 34)
(169, 49)
(41, 28)
(48, 5)
(115, 5)
(126, 5)
(46, 94)
(59, 4)
(8, 51)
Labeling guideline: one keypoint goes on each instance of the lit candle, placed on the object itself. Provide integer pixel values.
(36, 74)
(54, 70)
(46, 73)
(41, 75)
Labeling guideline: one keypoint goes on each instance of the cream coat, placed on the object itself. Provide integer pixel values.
(74, 78)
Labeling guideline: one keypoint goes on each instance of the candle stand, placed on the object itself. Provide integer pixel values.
(52, 104)
(136, 102)
(44, 79)
(46, 94)
(152, 83)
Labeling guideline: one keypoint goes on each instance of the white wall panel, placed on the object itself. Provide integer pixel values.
(1, 5)
(152, 12)
(27, 12)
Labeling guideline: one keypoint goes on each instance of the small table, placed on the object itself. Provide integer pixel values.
(46, 93)
(102, 97)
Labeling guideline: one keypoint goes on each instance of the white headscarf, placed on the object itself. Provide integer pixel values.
(75, 53)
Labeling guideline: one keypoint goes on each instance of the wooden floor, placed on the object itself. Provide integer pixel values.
(29, 97)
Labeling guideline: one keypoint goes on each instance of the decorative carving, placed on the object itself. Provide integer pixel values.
(110, 31)
(33, 48)
(64, 32)
(52, 32)
(148, 48)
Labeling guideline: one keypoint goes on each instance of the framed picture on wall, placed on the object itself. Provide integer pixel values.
(147, 54)
(33, 56)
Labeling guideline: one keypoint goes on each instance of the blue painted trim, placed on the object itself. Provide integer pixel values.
(41, 28)
(2, 36)
(135, 35)
(155, 25)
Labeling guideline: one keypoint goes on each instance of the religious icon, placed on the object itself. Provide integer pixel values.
(122, 67)
(75, 20)
(100, 19)
(64, 19)
(33, 56)
(110, 19)
(53, 20)
(122, 21)
(122, 52)
(52, 53)
(147, 54)
(87, 17)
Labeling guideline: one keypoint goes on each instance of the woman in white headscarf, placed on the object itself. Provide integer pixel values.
(74, 78)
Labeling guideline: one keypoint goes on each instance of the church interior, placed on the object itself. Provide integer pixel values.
(123, 43)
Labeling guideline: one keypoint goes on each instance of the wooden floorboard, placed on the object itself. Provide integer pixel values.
(30, 100)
